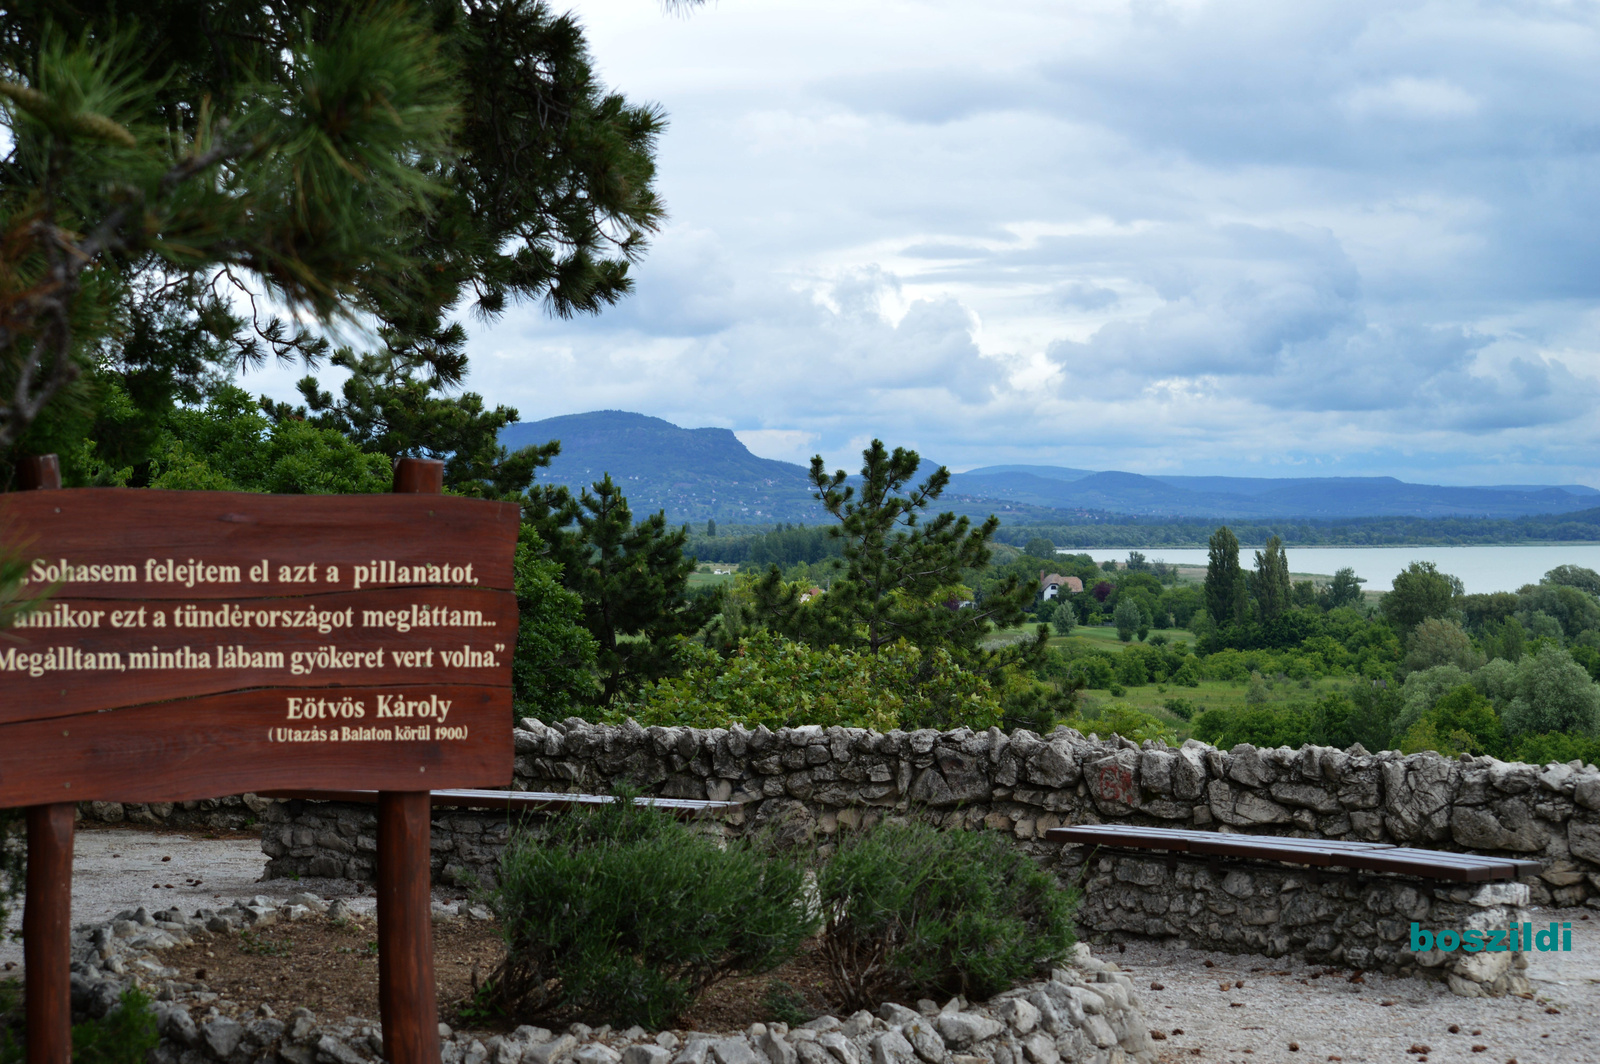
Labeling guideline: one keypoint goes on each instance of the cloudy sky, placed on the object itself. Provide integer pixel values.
(1191, 237)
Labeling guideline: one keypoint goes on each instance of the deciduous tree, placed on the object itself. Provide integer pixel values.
(1420, 592)
(1224, 587)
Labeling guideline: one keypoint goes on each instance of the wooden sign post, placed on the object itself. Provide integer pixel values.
(196, 644)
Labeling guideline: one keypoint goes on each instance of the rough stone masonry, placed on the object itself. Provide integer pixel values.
(811, 782)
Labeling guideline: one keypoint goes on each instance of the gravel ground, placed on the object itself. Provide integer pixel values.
(1379, 1019)
(123, 868)
(1329, 1018)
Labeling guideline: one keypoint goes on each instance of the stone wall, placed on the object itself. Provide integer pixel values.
(810, 781)
(1331, 917)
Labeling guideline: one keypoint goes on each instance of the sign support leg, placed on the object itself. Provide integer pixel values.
(406, 990)
(47, 933)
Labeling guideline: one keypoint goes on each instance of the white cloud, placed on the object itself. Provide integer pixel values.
(1407, 97)
(1338, 235)
(784, 445)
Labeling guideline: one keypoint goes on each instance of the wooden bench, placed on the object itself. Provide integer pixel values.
(1323, 853)
(520, 801)
(1244, 894)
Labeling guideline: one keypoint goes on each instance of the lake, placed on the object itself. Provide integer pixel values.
(1482, 569)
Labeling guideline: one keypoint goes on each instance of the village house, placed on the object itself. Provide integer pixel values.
(1052, 584)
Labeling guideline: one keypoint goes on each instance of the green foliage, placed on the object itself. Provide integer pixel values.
(125, 1035)
(1585, 580)
(623, 915)
(227, 445)
(1543, 748)
(911, 911)
(1553, 694)
(1343, 590)
(1504, 640)
(782, 683)
(1127, 619)
(119, 181)
(1572, 609)
(1225, 585)
(1333, 720)
(468, 153)
(552, 671)
(903, 572)
(395, 405)
(633, 579)
(1123, 720)
(1461, 722)
(1420, 592)
(1271, 583)
(785, 1004)
(1182, 708)
(1438, 641)
(1040, 549)
(1423, 689)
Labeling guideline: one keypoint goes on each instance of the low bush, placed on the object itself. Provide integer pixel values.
(623, 915)
(124, 1035)
(910, 911)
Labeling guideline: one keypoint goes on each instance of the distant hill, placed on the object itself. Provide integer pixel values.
(692, 474)
(1264, 497)
(695, 474)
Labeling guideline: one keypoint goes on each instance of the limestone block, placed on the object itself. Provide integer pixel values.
(1583, 839)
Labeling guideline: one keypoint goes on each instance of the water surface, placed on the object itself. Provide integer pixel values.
(1481, 568)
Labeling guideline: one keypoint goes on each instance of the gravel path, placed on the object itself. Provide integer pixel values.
(1379, 1019)
(1328, 1018)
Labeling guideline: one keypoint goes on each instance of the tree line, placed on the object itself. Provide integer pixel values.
(1117, 530)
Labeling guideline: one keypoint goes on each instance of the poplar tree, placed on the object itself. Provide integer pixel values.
(1272, 585)
(1224, 587)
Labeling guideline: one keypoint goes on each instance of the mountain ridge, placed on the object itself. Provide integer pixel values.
(707, 473)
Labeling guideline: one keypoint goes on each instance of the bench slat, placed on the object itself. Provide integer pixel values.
(1367, 856)
(522, 800)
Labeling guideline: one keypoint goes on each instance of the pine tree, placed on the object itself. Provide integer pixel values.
(299, 183)
(902, 576)
(396, 163)
(633, 579)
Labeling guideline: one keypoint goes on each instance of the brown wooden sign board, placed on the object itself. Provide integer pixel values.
(205, 643)
(196, 644)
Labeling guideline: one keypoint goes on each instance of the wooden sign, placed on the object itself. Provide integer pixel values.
(204, 643)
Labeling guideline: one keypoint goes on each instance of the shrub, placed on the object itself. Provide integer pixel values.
(622, 915)
(1123, 720)
(912, 912)
(1461, 722)
(1543, 749)
(1182, 708)
(782, 683)
(125, 1035)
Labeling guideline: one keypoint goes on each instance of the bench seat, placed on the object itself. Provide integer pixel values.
(1324, 853)
(521, 801)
